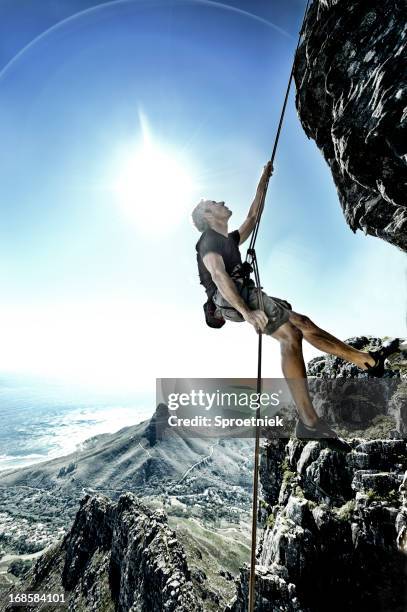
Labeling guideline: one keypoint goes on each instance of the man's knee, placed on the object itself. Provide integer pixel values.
(302, 322)
(288, 335)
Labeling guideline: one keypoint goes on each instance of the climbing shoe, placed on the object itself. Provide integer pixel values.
(380, 356)
(320, 430)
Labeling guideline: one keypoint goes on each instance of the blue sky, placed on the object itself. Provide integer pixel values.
(96, 289)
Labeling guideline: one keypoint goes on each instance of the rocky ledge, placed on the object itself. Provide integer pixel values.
(351, 80)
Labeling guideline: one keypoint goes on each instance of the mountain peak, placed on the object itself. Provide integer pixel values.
(118, 556)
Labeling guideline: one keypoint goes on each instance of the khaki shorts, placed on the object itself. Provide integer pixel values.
(277, 310)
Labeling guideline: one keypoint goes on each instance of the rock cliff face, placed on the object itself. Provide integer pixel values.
(351, 80)
(117, 557)
(334, 521)
(335, 528)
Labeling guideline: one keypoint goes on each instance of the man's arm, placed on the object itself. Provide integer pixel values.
(247, 226)
(215, 264)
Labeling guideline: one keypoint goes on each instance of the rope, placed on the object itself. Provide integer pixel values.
(251, 259)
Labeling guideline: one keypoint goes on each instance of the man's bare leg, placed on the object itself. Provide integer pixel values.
(327, 343)
(293, 366)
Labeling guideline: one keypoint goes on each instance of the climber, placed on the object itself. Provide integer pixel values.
(233, 297)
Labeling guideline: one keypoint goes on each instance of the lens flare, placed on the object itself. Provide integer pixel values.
(155, 186)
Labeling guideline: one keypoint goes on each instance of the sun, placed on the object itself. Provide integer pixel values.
(155, 185)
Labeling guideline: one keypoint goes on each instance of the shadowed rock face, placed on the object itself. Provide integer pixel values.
(158, 424)
(351, 80)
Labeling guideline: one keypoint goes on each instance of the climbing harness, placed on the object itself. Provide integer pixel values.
(251, 260)
(213, 315)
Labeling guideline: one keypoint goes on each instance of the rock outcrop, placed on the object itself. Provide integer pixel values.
(158, 425)
(370, 407)
(117, 557)
(336, 530)
(351, 80)
(335, 520)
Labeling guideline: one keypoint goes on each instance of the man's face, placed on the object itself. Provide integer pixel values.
(217, 210)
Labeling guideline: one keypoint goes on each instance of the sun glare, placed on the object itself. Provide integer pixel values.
(155, 187)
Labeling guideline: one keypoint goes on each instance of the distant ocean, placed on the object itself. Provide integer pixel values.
(41, 420)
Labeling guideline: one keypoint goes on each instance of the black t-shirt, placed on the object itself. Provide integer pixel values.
(212, 241)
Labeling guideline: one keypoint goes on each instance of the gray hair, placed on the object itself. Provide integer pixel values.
(198, 216)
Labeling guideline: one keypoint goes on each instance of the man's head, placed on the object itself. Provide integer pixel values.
(209, 213)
